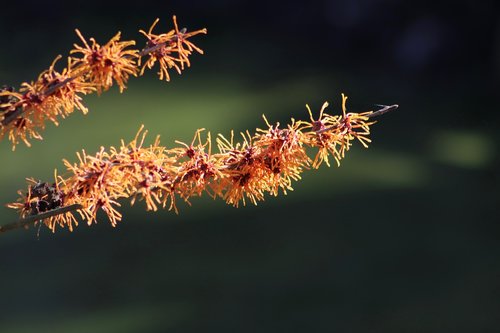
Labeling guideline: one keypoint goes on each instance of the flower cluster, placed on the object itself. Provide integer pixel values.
(170, 50)
(90, 67)
(265, 162)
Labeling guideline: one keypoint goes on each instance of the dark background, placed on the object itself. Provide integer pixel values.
(403, 237)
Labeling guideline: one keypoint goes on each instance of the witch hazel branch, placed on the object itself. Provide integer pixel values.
(90, 68)
(237, 168)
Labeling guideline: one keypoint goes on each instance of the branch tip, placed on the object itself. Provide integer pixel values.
(384, 109)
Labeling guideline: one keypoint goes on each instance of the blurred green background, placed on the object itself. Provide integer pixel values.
(403, 237)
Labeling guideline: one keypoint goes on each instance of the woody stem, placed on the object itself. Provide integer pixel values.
(383, 110)
(38, 217)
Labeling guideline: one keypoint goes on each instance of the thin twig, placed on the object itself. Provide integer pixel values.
(33, 218)
(385, 109)
(53, 88)
(151, 49)
(12, 115)
(147, 50)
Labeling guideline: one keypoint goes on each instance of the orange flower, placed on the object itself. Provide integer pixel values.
(333, 134)
(283, 154)
(318, 136)
(149, 172)
(185, 47)
(243, 174)
(350, 126)
(103, 64)
(198, 169)
(170, 50)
